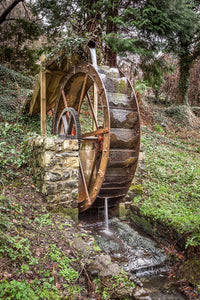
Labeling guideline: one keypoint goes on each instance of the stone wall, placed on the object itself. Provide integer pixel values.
(55, 166)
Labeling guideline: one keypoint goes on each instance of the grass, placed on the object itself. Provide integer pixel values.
(172, 184)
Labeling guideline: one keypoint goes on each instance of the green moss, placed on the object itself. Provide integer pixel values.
(137, 189)
(71, 212)
(122, 211)
(121, 86)
(142, 222)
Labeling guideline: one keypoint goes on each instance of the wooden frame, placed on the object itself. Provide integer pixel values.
(43, 95)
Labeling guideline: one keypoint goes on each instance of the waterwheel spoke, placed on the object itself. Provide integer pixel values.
(96, 132)
(82, 93)
(92, 171)
(64, 97)
(92, 110)
(84, 181)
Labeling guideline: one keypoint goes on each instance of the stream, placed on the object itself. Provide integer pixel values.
(132, 250)
(136, 253)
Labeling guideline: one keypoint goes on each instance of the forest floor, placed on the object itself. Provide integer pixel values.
(37, 259)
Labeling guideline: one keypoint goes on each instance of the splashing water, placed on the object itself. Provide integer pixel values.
(93, 57)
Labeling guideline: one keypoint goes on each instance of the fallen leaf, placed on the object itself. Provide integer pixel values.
(58, 285)
(6, 274)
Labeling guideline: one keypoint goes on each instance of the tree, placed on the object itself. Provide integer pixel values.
(82, 17)
(185, 42)
(18, 31)
(168, 26)
(145, 27)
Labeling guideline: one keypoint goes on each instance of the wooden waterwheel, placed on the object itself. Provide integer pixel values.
(98, 107)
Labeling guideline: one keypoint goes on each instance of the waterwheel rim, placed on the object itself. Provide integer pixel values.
(77, 90)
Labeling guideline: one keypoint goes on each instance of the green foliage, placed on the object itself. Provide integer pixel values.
(141, 86)
(68, 46)
(16, 290)
(16, 248)
(110, 287)
(12, 157)
(158, 128)
(198, 149)
(65, 270)
(44, 220)
(17, 44)
(23, 290)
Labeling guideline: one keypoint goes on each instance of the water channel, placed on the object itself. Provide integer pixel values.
(135, 252)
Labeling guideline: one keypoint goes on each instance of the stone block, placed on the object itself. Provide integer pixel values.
(63, 198)
(71, 162)
(69, 154)
(75, 194)
(75, 174)
(53, 176)
(50, 189)
(46, 159)
(39, 141)
(71, 184)
(70, 145)
(59, 186)
(49, 144)
(66, 175)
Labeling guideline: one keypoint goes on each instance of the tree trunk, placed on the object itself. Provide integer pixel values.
(111, 57)
(183, 81)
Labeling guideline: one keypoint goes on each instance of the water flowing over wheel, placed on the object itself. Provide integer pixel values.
(103, 103)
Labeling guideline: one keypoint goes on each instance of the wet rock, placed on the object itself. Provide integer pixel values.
(141, 294)
(136, 280)
(102, 266)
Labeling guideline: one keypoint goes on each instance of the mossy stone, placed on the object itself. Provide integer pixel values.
(142, 222)
(122, 211)
(137, 189)
(71, 212)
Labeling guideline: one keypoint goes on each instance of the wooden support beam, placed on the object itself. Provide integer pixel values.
(43, 95)
(95, 105)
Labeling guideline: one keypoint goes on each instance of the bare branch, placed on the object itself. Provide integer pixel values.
(8, 10)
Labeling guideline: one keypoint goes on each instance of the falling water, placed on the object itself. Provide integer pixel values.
(94, 57)
(106, 214)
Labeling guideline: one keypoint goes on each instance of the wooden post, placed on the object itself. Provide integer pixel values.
(43, 95)
(95, 105)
